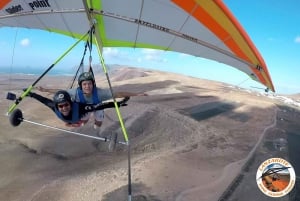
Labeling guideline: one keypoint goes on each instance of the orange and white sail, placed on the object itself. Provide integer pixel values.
(203, 28)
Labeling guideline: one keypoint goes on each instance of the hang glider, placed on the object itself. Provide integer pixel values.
(203, 28)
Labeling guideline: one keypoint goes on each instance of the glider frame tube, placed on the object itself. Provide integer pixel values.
(105, 139)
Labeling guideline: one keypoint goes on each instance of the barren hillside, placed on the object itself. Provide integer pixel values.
(189, 140)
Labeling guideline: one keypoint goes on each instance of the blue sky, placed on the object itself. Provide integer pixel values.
(273, 26)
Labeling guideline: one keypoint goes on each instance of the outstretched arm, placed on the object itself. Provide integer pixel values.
(111, 104)
(46, 101)
(42, 89)
(105, 105)
(85, 108)
(123, 94)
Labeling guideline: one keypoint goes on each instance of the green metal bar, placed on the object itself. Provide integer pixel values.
(98, 44)
(93, 18)
(115, 102)
(120, 120)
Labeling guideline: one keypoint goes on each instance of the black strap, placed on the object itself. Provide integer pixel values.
(79, 67)
(88, 44)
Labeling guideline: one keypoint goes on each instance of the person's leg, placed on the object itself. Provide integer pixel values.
(85, 118)
(99, 116)
(78, 124)
(98, 123)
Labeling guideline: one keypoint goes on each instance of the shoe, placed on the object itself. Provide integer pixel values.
(98, 130)
(96, 127)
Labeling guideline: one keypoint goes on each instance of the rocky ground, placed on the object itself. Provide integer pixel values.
(189, 141)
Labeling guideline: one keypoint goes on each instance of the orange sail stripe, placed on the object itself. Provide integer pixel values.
(212, 16)
(261, 61)
(3, 3)
(209, 22)
(220, 17)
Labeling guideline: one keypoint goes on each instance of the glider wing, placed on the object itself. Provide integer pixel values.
(203, 28)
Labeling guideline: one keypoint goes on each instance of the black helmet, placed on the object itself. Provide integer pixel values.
(61, 97)
(86, 76)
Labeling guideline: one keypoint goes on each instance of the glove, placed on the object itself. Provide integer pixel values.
(123, 102)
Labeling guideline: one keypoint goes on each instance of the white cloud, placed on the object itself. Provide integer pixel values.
(182, 55)
(25, 42)
(133, 56)
(110, 52)
(115, 53)
(153, 55)
(297, 39)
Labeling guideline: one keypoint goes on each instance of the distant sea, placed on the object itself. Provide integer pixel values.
(35, 71)
(53, 72)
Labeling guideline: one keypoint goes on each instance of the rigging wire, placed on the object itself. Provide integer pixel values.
(90, 45)
(242, 82)
(12, 63)
(80, 67)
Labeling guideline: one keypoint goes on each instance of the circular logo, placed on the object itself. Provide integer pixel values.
(275, 177)
(61, 96)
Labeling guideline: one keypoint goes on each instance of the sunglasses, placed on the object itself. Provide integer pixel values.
(66, 104)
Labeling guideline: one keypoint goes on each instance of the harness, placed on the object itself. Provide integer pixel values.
(94, 93)
(75, 114)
